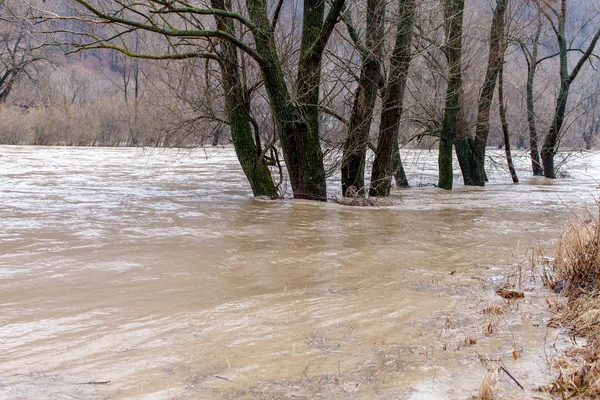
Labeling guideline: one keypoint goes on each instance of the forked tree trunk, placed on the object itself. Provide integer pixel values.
(355, 145)
(297, 122)
(309, 174)
(387, 161)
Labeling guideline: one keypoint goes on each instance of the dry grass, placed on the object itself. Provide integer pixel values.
(577, 261)
(489, 387)
(574, 274)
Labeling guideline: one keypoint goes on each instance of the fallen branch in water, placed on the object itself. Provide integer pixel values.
(511, 377)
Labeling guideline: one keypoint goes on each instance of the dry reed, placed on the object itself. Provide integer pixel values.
(575, 273)
(489, 387)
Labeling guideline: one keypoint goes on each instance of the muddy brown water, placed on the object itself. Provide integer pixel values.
(154, 275)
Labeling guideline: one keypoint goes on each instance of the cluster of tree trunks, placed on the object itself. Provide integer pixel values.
(387, 161)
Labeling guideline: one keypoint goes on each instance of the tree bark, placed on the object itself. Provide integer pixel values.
(387, 161)
(551, 142)
(482, 128)
(453, 19)
(398, 168)
(256, 170)
(355, 145)
(463, 147)
(310, 174)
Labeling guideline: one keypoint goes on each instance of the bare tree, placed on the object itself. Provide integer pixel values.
(387, 161)
(355, 145)
(495, 60)
(531, 56)
(19, 53)
(557, 19)
(503, 119)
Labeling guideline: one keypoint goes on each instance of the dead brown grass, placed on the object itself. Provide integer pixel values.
(489, 387)
(575, 273)
(576, 266)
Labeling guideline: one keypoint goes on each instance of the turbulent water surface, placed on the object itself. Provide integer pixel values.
(154, 274)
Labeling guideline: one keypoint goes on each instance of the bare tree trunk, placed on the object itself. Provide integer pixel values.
(453, 19)
(536, 165)
(355, 145)
(482, 128)
(504, 122)
(387, 161)
(398, 168)
(256, 170)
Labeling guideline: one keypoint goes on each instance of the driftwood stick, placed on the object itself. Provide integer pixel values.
(512, 377)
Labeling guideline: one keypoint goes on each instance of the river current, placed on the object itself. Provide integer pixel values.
(154, 274)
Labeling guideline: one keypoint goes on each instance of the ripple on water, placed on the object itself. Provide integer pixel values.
(156, 270)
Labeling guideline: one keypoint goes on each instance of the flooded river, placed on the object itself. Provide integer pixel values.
(155, 275)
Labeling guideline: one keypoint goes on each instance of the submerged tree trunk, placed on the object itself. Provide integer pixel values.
(551, 142)
(355, 145)
(398, 168)
(387, 161)
(463, 146)
(482, 128)
(504, 122)
(534, 152)
(256, 170)
(453, 19)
